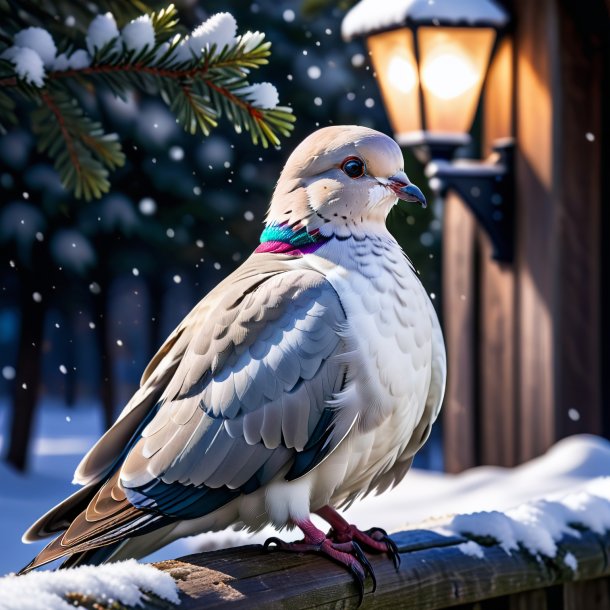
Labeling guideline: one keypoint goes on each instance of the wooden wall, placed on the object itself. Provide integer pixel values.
(524, 340)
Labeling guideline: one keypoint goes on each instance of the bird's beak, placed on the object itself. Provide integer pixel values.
(403, 189)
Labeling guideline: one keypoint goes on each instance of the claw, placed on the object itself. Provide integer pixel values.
(375, 530)
(380, 535)
(273, 541)
(359, 577)
(361, 557)
(393, 552)
(348, 554)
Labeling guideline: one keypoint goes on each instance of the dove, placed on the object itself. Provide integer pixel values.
(307, 378)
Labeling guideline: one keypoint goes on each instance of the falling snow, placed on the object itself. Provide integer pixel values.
(358, 60)
(8, 372)
(573, 414)
(176, 153)
(147, 206)
(72, 250)
(314, 72)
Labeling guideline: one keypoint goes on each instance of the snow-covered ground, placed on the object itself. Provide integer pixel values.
(64, 434)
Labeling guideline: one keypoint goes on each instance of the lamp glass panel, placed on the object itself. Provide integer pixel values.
(453, 64)
(394, 63)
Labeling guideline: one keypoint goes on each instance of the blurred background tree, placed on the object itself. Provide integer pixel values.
(90, 290)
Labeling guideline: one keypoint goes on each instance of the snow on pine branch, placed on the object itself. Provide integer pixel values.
(125, 582)
(201, 76)
(537, 526)
(28, 64)
(34, 52)
(261, 95)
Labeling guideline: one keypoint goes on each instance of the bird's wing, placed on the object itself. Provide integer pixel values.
(111, 448)
(246, 392)
(251, 396)
(104, 455)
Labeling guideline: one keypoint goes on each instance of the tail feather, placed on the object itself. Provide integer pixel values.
(93, 557)
(59, 517)
(106, 521)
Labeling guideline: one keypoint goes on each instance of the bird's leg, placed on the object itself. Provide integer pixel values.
(347, 553)
(375, 539)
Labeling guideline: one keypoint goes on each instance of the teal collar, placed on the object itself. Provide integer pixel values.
(282, 239)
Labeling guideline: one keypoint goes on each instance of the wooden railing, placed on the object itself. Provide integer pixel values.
(434, 573)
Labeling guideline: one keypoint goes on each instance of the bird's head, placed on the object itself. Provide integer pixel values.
(341, 177)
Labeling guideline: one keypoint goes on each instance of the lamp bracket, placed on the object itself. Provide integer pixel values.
(487, 189)
(427, 145)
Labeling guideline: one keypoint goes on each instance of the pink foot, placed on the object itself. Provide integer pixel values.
(347, 553)
(375, 539)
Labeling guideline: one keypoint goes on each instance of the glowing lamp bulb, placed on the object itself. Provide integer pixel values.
(448, 75)
(401, 74)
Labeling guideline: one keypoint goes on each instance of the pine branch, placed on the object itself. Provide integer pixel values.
(201, 77)
(88, 152)
(7, 104)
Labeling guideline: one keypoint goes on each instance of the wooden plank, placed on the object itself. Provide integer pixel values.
(499, 421)
(560, 64)
(536, 43)
(578, 196)
(459, 295)
(530, 600)
(432, 575)
(587, 595)
(498, 99)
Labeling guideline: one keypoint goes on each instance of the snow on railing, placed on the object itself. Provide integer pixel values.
(127, 584)
(558, 545)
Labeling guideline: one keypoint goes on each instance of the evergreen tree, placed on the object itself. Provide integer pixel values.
(201, 76)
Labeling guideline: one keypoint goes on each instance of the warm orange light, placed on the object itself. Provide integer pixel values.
(394, 62)
(452, 66)
(453, 63)
(448, 75)
(402, 75)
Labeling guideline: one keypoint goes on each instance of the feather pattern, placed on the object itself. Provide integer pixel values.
(310, 376)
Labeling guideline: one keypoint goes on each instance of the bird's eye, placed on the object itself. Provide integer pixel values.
(353, 167)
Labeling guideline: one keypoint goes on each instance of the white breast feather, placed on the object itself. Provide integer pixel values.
(389, 334)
